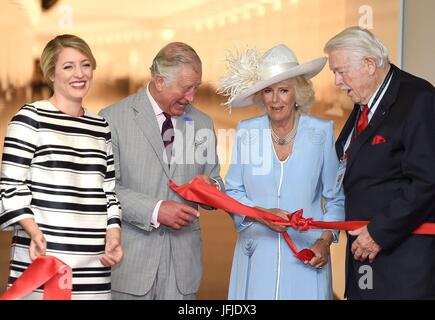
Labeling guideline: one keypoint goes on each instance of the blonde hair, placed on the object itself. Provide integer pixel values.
(304, 94)
(361, 42)
(50, 54)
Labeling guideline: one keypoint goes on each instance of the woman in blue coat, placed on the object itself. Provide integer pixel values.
(282, 161)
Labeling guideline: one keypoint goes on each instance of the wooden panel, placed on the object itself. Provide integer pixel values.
(5, 239)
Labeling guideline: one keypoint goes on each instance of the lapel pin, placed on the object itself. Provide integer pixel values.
(187, 118)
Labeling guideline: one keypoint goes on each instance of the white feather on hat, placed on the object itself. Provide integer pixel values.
(242, 73)
(249, 73)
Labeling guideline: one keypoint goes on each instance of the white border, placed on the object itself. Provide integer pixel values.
(400, 46)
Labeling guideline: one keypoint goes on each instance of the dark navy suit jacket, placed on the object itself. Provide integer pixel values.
(392, 184)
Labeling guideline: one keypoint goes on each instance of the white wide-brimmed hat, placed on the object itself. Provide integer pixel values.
(249, 74)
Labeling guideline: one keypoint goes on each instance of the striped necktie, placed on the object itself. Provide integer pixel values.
(168, 135)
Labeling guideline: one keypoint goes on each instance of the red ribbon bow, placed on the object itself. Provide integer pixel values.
(203, 193)
(298, 222)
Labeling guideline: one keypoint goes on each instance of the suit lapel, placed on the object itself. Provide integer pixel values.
(146, 121)
(344, 134)
(183, 141)
(379, 116)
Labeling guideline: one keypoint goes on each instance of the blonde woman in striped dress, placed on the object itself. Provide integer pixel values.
(58, 177)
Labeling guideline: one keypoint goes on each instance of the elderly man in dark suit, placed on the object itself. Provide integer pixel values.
(387, 153)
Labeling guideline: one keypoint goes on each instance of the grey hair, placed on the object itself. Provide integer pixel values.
(172, 56)
(304, 95)
(361, 42)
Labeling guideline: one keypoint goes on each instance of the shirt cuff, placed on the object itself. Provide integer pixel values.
(215, 183)
(154, 222)
(335, 235)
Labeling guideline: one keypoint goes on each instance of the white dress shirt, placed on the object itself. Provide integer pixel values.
(372, 108)
(160, 119)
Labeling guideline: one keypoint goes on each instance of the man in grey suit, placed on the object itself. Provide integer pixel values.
(158, 135)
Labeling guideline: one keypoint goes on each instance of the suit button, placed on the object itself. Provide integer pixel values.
(162, 232)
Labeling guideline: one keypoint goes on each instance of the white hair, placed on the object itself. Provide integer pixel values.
(361, 42)
(171, 57)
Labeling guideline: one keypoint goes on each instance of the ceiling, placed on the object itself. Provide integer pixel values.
(132, 9)
(85, 13)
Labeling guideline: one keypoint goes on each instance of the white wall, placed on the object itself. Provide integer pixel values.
(419, 38)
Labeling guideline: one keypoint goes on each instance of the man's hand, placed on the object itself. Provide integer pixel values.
(205, 178)
(113, 252)
(364, 246)
(211, 182)
(176, 215)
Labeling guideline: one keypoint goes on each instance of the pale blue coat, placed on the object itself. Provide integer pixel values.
(263, 265)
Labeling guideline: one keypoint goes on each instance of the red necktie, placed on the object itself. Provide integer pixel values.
(363, 120)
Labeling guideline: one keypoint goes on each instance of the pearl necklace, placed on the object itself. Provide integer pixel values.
(289, 136)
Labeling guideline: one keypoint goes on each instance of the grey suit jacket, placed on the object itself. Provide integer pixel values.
(142, 176)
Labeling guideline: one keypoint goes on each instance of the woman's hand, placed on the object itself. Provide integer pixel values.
(38, 244)
(273, 225)
(113, 251)
(321, 249)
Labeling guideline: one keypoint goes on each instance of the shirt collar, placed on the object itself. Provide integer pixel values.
(157, 110)
(370, 103)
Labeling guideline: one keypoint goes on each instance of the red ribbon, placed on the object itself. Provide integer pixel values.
(203, 193)
(55, 275)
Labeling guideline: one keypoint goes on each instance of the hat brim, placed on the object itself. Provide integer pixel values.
(307, 70)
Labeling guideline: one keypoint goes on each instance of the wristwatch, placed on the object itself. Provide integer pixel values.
(215, 183)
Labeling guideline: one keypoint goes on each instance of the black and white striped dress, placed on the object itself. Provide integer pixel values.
(59, 169)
